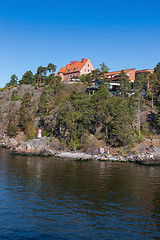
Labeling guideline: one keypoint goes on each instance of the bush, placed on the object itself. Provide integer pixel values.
(11, 129)
(30, 131)
(54, 143)
(91, 144)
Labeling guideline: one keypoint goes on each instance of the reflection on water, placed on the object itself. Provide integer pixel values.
(50, 198)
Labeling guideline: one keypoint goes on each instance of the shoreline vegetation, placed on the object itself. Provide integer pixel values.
(77, 124)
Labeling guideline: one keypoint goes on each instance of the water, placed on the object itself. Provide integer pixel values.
(49, 198)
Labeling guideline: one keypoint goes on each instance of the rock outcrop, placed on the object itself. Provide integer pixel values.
(34, 147)
(8, 142)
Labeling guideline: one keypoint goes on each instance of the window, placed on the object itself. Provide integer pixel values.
(85, 70)
(88, 65)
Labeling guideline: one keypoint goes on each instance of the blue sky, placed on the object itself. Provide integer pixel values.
(123, 34)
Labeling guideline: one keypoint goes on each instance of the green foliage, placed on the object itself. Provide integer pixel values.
(74, 141)
(13, 81)
(82, 113)
(12, 118)
(157, 71)
(15, 96)
(51, 67)
(27, 78)
(11, 129)
(50, 78)
(25, 115)
(43, 107)
(57, 86)
(103, 68)
(95, 74)
(121, 131)
(125, 86)
(139, 84)
(41, 72)
(86, 78)
(30, 130)
(35, 79)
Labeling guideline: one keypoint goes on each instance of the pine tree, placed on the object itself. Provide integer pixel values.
(25, 115)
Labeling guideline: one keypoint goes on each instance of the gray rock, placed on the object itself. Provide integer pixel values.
(34, 147)
(8, 142)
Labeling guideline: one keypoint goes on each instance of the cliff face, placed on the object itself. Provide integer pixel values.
(25, 108)
(10, 102)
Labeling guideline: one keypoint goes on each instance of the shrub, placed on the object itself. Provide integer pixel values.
(12, 129)
(30, 131)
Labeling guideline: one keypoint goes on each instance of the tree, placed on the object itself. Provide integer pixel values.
(27, 78)
(121, 132)
(101, 101)
(103, 68)
(25, 116)
(157, 71)
(124, 84)
(41, 71)
(43, 107)
(12, 119)
(86, 78)
(75, 117)
(139, 86)
(51, 67)
(153, 85)
(13, 81)
(50, 78)
(57, 84)
(95, 74)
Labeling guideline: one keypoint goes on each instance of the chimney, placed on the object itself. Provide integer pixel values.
(83, 60)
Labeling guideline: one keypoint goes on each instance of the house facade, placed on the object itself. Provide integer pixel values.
(113, 79)
(73, 70)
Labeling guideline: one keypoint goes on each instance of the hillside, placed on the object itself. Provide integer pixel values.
(73, 119)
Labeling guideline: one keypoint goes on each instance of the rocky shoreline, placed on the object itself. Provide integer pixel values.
(41, 147)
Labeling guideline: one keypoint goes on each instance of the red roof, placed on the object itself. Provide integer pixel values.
(118, 72)
(73, 67)
(145, 70)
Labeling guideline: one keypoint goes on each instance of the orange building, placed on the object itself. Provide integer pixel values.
(145, 71)
(113, 76)
(73, 70)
